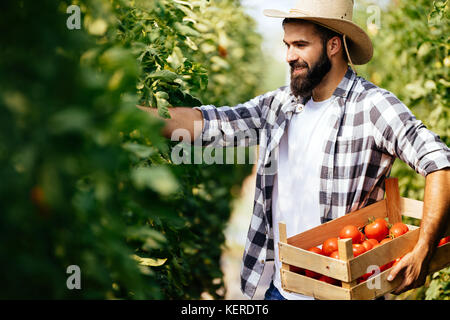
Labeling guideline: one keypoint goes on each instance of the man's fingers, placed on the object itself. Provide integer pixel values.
(395, 270)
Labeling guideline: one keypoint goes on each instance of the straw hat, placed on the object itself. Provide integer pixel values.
(335, 15)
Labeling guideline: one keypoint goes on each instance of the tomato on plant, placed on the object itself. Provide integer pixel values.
(377, 230)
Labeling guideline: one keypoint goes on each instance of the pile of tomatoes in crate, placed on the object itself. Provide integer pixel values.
(377, 232)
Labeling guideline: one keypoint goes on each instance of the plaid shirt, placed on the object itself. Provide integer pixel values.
(370, 128)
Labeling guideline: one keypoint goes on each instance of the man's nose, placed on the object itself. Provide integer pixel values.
(291, 55)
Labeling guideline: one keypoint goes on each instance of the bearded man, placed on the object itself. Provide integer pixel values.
(326, 143)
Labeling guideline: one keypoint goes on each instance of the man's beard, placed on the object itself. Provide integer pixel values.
(303, 85)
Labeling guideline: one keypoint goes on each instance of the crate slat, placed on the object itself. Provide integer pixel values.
(375, 287)
(301, 258)
(440, 258)
(311, 287)
(411, 208)
(283, 239)
(383, 254)
(319, 234)
(345, 249)
(393, 200)
(293, 251)
(368, 289)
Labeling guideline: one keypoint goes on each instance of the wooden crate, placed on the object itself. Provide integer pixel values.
(293, 252)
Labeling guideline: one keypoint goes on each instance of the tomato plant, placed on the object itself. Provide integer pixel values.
(88, 177)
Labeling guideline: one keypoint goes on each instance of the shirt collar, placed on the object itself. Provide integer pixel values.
(342, 90)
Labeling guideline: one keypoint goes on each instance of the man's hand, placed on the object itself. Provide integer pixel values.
(414, 269)
(436, 207)
(188, 122)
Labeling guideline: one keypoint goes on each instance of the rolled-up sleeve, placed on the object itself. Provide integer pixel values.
(398, 132)
(232, 126)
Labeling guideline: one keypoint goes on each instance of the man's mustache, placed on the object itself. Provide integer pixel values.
(297, 64)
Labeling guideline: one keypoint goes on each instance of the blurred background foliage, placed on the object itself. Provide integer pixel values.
(86, 177)
(412, 60)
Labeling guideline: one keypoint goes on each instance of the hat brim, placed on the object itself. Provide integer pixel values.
(360, 45)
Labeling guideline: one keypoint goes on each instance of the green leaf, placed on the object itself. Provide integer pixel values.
(186, 30)
(139, 150)
(159, 179)
(69, 120)
(149, 262)
(164, 75)
(176, 59)
(162, 104)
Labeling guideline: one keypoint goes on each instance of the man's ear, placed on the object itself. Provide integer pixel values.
(334, 46)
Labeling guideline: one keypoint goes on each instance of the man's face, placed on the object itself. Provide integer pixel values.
(307, 56)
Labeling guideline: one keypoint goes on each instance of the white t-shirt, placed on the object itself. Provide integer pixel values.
(295, 197)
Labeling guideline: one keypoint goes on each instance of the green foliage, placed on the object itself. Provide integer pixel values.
(412, 59)
(439, 288)
(87, 178)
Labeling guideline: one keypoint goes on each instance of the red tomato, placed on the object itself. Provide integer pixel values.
(398, 229)
(444, 241)
(365, 277)
(358, 249)
(363, 237)
(316, 250)
(377, 230)
(396, 261)
(310, 273)
(350, 231)
(328, 280)
(373, 242)
(329, 246)
(335, 255)
(296, 269)
(386, 266)
(367, 245)
(361, 279)
(385, 240)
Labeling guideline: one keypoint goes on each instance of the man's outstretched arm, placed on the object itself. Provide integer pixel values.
(181, 118)
(435, 220)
